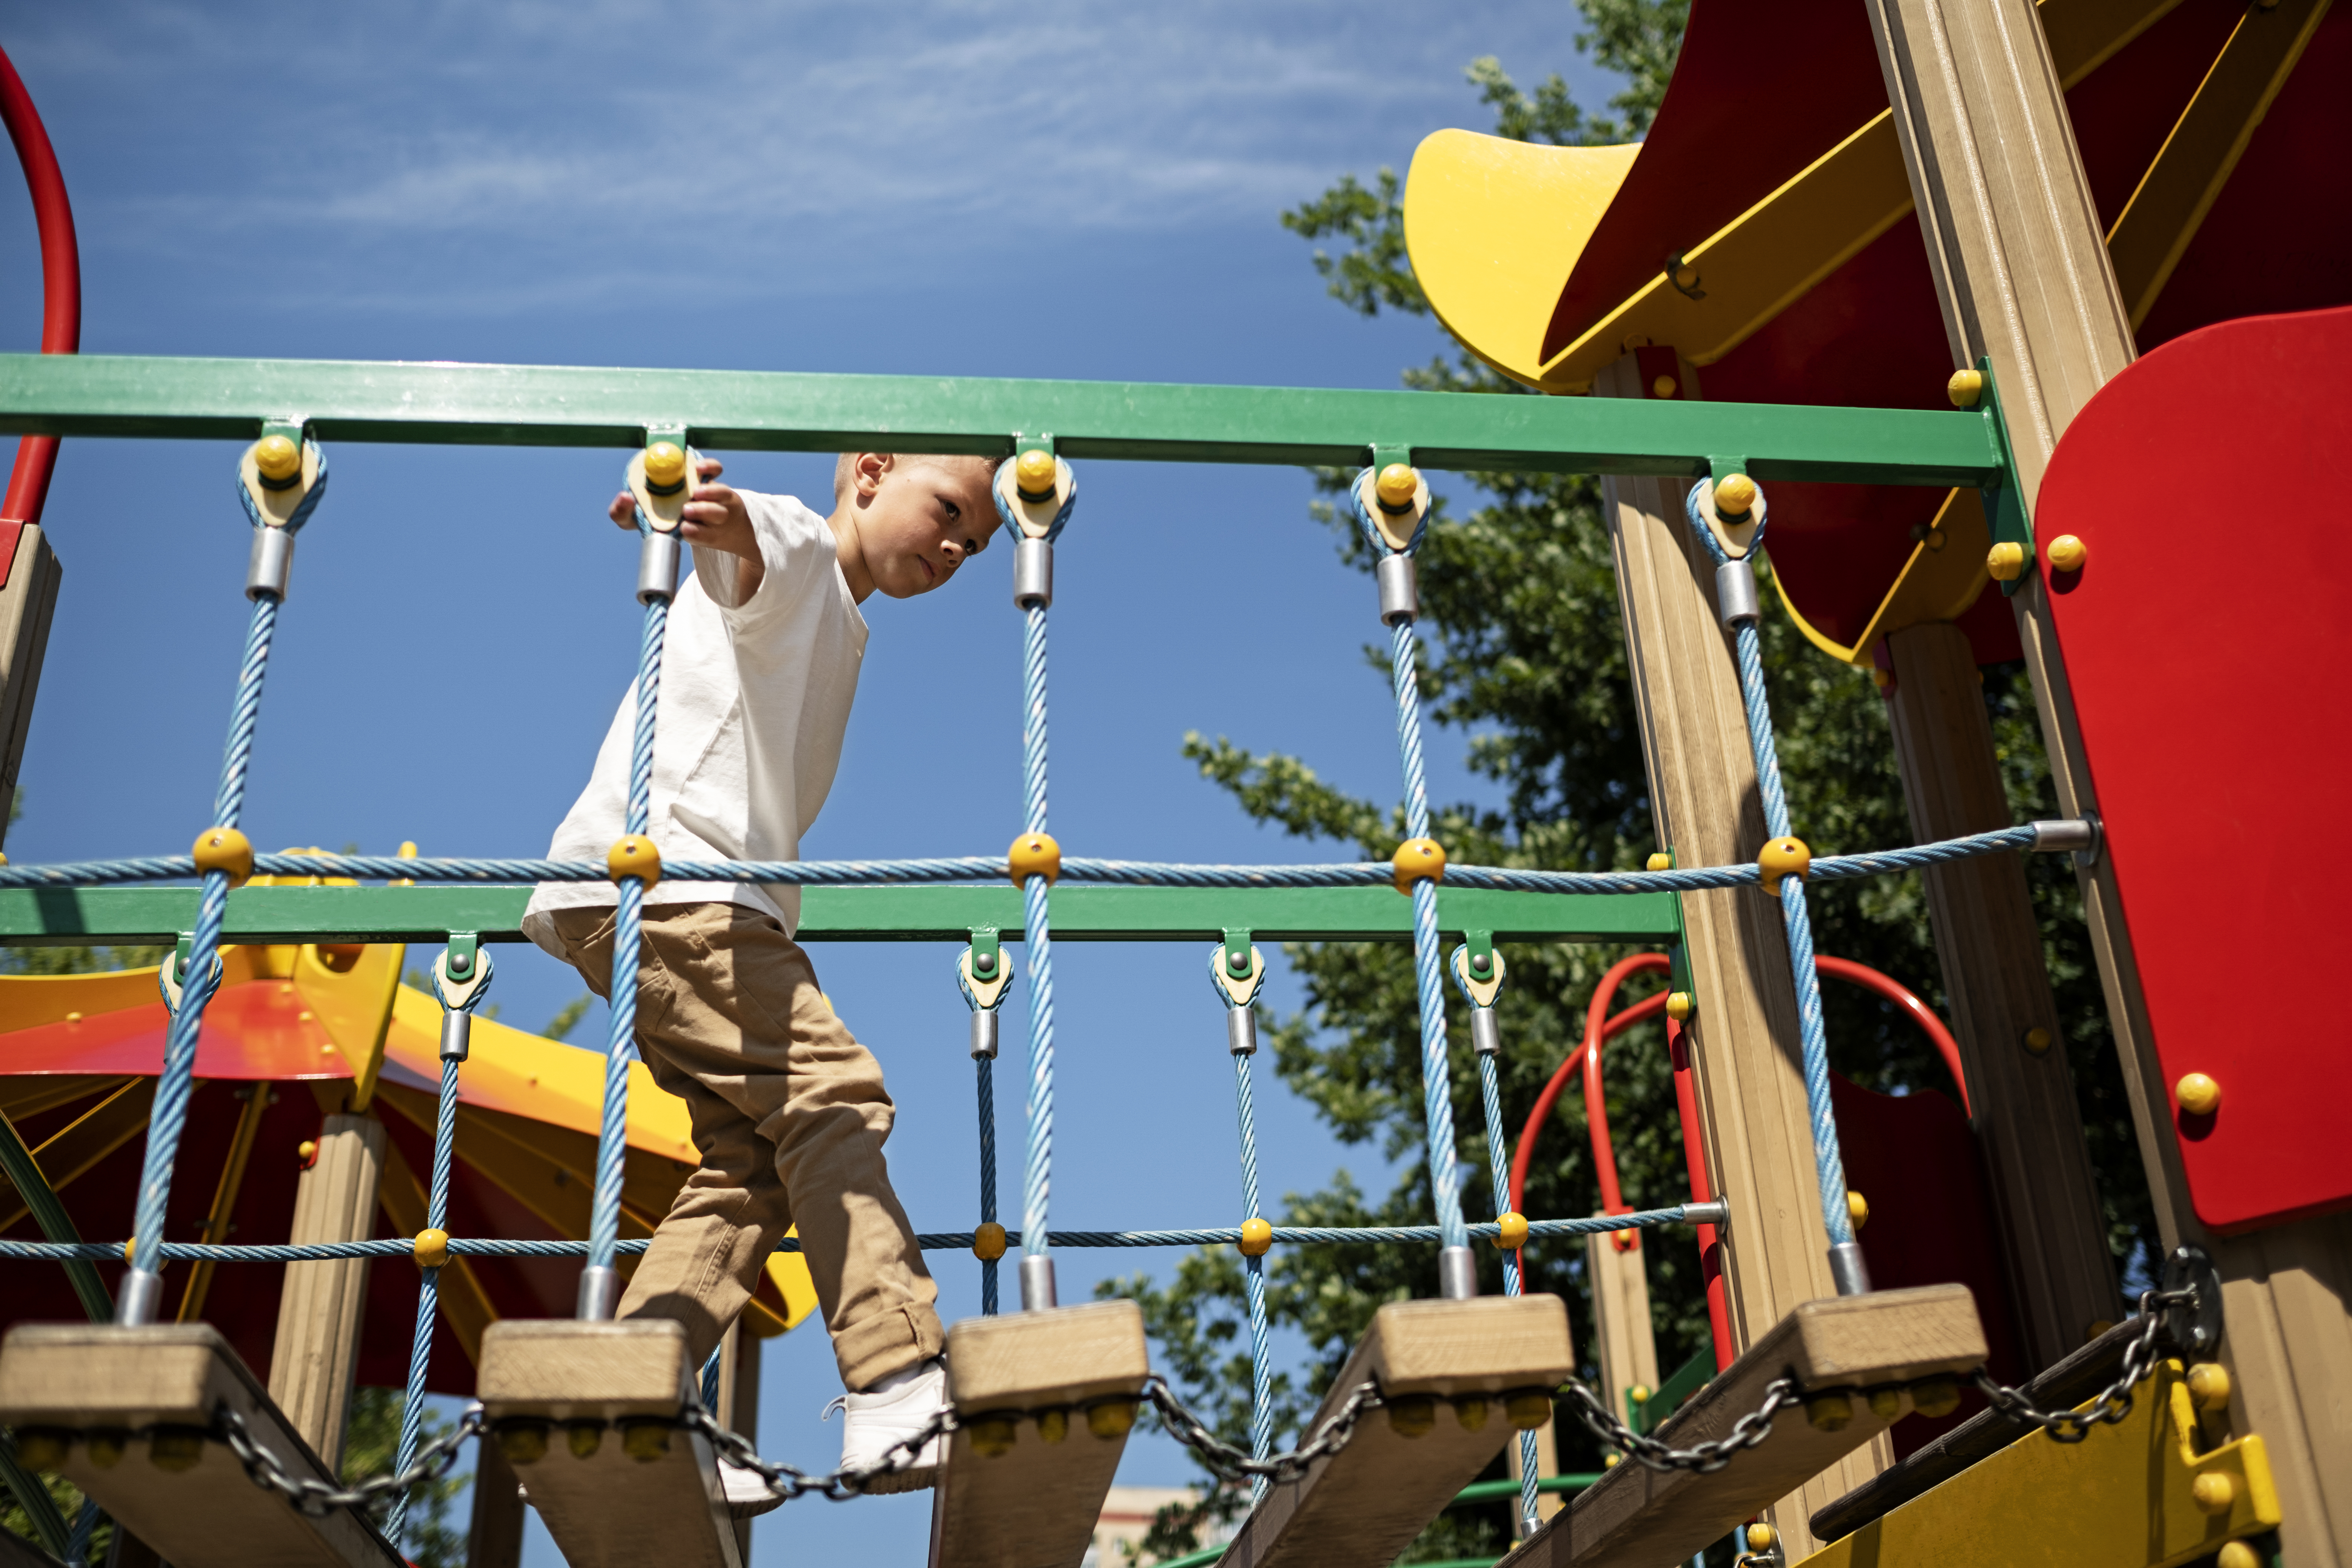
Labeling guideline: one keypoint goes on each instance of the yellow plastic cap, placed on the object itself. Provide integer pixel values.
(993, 1438)
(1416, 858)
(1034, 855)
(1965, 387)
(1664, 386)
(1784, 858)
(2005, 561)
(665, 464)
(1257, 1237)
(2237, 1555)
(1053, 1426)
(1760, 1537)
(1411, 1414)
(277, 458)
(1936, 1397)
(1857, 1209)
(988, 1242)
(1680, 1004)
(432, 1248)
(1639, 1393)
(1735, 496)
(39, 1450)
(2213, 1492)
(1037, 474)
(1828, 1412)
(2038, 1040)
(1115, 1419)
(2066, 553)
(225, 849)
(1527, 1409)
(634, 855)
(1397, 487)
(307, 1151)
(2198, 1094)
(130, 1244)
(1659, 861)
(2209, 1384)
(1510, 1231)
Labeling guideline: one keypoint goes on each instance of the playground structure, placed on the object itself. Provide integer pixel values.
(1437, 1387)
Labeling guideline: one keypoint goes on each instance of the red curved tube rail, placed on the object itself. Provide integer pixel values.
(37, 456)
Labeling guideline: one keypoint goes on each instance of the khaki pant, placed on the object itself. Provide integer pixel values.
(789, 1113)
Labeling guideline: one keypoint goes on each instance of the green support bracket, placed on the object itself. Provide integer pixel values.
(1482, 951)
(465, 948)
(2004, 498)
(290, 427)
(1237, 952)
(1384, 455)
(1721, 469)
(180, 956)
(985, 952)
(1042, 442)
(676, 434)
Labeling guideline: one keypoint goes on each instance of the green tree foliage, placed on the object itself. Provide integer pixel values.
(429, 1538)
(1528, 662)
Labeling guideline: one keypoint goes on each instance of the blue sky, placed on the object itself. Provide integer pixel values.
(966, 188)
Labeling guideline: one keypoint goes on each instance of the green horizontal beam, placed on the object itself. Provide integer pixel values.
(553, 406)
(60, 916)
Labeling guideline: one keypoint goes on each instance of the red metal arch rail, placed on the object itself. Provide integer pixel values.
(37, 456)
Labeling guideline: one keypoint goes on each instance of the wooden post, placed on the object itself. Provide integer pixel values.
(1743, 1042)
(1623, 1340)
(493, 1539)
(319, 1310)
(2021, 270)
(28, 598)
(2045, 1204)
(738, 1402)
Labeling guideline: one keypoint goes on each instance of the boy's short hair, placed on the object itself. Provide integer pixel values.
(845, 468)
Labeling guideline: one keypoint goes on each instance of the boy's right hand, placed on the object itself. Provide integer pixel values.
(715, 519)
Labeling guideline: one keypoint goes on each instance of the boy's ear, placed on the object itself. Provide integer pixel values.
(866, 472)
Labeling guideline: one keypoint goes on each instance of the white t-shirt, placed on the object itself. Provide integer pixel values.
(747, 737)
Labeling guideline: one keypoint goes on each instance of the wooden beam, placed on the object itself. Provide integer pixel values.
(2045, 1202)
(320, 1307)
(1743, 1042)
(494, 1533)
(1442, 1367)
(1026, 1471)
(587, 1414)
(2021, 271)
(83, 1389)
(29, 600)
(1623, 1339)
(1867, 1353)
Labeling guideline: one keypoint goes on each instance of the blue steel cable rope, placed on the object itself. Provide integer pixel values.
(1828, 1160)
(1253, 1266)
(984, 1082)
(1037, 1173)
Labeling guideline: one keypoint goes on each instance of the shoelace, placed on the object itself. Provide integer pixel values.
(838, 1402)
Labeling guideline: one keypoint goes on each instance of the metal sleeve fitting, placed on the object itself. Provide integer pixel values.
(1714, 1212)
(135, 1303)
(272, 559)
(1847, 1267)
(657, 567)
(984, 1035)
(600, 1292)
(1457, 1274)
(2065, 832)
(1036, 1282)
(1033, 573)
(456, 1035)
(1240, 1031)
(1734, 592)
(1486, 1034)
(1399, 589)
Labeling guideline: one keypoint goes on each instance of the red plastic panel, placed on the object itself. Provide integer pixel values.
(2208, 639)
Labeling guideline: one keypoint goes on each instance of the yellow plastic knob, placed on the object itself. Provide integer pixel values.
(1527, 1409)
(664, 466)
(1760, 1537)
(1936, 1397)
(1735, 497)
(2198, 1094)
(2038, 1041)
(988, 1242)
(1663, 386)
(307, 1151)
(1412, 1415)
(1828, 1412)
(1659, 861)
(2237, 1555)
(1857, 1209)
(225, 849)
(1114, 1419)
(634, 855)
(130, 1245)
(432, 1248)
(1510, 1231)
(2067, 552)
(2005, 561)
(1257, 1237)
(1784, 858)
(1680, 1005)
(277, 458)
(1035, 474)
(1965, 387)
(1397, 488)
(1416, 858)
(2213, 1492)
(1034, 855)
(2209, 1384)
(1639, 1393)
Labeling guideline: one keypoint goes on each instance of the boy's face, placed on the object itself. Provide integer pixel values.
(917, 519)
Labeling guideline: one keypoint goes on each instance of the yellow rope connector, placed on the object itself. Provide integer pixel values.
(1659, 861)
(1735, 497)
(306, 1151)
(1113, 1419)
(2067, 552)
(1037, 474)
(988, 1242)
(664, 467)
(1416, 858)
(225, 849)
(2237, 1555)
(1527, 1409)
(1783, 858)
(128, 1244)
(1396, 486)
(1760, 1537)
(2209, 1384)
(1034, 855)
(1510, 1230)
(277, 458)
(1257, 1237)
(1965, 387)
(1936, 1397)
(432, 1248)
(2005, 561)
(2198, 1094)
(634, 855)
(1857, 1209)
(1680, 1005)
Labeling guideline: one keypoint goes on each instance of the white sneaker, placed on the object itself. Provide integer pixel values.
(746, 1493)
(894, 1410)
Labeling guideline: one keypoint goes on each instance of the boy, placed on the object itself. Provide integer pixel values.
(789, 1111)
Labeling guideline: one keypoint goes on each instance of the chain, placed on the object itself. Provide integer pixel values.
(316, 1497)
(789, 1482)
(1231, 1462)
(2112, 1403)
(1703, 1459)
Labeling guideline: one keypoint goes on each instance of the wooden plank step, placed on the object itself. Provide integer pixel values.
(1861, 1358)
(588, 1413)
(1442, 1368)
(1028, 1471)
(125, 1413)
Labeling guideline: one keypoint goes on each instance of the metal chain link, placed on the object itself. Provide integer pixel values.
(316, 1497)
(1232, 1463)
(789, 1482)
(2112, 1403)
(1703, 1459)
